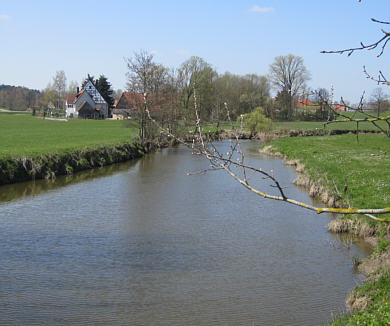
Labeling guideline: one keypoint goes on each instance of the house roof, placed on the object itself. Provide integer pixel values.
(70, 99)
(339, 107)
(94, 93)
(305, 102)
(78, 95)
(135, 100)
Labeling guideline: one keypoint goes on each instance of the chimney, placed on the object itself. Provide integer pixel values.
(78, 90)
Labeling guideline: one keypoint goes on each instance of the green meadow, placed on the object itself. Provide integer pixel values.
(339, 159)
(25, 135)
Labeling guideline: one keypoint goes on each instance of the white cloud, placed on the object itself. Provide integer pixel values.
(4, 17)
(257, 8)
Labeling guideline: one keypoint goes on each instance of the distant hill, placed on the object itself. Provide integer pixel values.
(18, 98)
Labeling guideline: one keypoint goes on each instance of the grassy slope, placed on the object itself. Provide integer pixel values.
(28, 136)
(366, 166)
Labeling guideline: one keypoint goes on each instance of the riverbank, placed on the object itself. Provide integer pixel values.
(343, 173)
(48, 166)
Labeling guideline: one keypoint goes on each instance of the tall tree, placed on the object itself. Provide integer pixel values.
(59, 86)
(289, 74)
(145, 80)
(197, 73)
(105, 90)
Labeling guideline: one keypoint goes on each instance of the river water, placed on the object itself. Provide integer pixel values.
(142, 243)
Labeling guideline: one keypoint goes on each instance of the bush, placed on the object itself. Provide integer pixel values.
(256, 121)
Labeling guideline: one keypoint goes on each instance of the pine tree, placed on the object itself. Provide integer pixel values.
(105, 90)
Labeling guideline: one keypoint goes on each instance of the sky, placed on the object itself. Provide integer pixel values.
(94, 37)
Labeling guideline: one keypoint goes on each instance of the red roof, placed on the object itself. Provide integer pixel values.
(305, 102)
(340, 107)
(135, 100)
(70, 99)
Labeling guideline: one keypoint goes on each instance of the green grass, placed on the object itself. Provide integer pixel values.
(27, 135)
(366, 167)
(378, 312)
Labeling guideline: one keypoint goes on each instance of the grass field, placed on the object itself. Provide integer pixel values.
(366, 168)
(29, 136)
(365, 165)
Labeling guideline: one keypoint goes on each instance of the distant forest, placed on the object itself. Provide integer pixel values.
(19, 98)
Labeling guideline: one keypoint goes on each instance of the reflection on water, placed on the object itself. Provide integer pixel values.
(31, 188)
(144, 244)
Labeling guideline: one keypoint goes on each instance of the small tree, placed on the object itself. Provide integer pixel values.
(256, 121)
(379, 98)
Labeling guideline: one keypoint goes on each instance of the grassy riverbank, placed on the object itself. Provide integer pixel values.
(339, 161)
(36, 148)
(25, 135)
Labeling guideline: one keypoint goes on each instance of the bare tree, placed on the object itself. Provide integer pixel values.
(59, 86)
(379, 98)
(145, 80)
(288, 74)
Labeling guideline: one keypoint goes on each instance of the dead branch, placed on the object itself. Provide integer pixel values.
(382, 41)
(380, 80)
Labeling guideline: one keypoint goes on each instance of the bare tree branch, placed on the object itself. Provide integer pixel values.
(382, 41)
(381, 79)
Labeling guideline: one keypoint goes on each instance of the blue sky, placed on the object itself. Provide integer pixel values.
(240, 36)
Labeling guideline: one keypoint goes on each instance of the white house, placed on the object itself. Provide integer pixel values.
(70, 108)
(87, 104)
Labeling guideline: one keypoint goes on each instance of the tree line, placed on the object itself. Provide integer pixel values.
(18, 98)
(173, 88)
(173, 91)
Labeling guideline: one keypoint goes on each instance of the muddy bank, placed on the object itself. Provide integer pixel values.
(316, 188)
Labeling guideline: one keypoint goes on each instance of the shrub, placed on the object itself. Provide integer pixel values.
(256, 121)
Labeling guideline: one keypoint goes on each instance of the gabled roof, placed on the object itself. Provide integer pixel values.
(94, 93)
(70, 99)
(133, 99)
(78, 95)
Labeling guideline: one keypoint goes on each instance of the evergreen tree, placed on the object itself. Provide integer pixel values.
(104, 88)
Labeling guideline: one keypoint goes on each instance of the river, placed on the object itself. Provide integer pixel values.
(143, 243)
